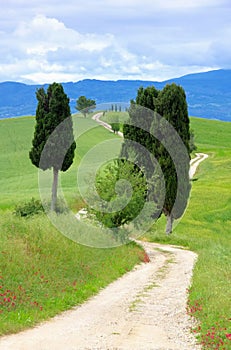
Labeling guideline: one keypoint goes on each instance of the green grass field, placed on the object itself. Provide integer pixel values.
(206, 229)
(42, 272)
(109, 117)
(19, 178)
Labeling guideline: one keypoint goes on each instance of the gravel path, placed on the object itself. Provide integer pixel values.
(143, 310)
(193, 163)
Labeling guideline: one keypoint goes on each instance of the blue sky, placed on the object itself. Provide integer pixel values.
(45, 41)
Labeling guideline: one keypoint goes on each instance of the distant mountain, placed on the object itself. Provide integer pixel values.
(208, 94)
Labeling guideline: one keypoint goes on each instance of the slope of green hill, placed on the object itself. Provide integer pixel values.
(43, 273)
(206, 229)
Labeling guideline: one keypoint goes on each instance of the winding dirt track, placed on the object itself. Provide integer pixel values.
(143, 310)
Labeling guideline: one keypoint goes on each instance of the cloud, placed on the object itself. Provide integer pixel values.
(154, 40)
(44, 48)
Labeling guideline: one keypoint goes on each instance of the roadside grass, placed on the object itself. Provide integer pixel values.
(206, 229)
(108, 117)
(42, 272)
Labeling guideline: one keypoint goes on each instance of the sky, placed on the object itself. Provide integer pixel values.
(69, 40)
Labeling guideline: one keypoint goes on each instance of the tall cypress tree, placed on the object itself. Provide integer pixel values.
(170, 103)
(172, 106)
(53, 145)
(137, 129)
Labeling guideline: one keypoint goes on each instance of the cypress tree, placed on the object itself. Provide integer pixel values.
(140, 120)
(172, 106)
(53, 145)
(170, 103)
(115, 125)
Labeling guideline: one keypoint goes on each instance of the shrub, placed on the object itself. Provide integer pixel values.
(30, 208)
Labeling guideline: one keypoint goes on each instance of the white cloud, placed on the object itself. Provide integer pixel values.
(45, 41)
(44, 48)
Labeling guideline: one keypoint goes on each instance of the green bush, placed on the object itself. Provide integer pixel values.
(30, 208)
(34, 207)
(112, 186)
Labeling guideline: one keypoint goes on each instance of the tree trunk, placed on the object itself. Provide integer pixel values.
(169, 224)
(54, 189)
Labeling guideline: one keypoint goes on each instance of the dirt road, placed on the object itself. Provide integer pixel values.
(195, 162)
(143, 310)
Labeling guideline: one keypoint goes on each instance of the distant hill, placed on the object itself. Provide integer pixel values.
(208, 94)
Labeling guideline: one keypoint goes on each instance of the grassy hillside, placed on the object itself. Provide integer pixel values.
(109, 117)
(19, 178)
(206, 229)
(41, 271)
